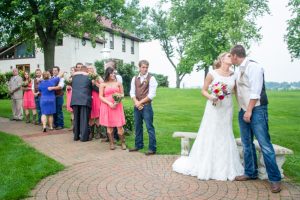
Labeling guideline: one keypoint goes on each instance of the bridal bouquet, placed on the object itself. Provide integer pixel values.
(219, 90)
(118, 97)
(68, 81)
(93, 77)
(25, 84)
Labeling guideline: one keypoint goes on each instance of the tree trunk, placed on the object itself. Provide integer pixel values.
(177, 80)
(49, 53)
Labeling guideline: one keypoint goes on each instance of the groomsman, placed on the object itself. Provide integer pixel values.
(14, 87)
(142, 92)
(253, 118)
(59, 94)
(81, 103)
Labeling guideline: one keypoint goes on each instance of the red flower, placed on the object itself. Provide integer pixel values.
(216, 91)
(221, 97)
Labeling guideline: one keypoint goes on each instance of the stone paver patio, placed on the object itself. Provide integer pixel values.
(94, 172)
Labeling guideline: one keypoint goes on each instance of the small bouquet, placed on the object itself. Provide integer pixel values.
(93, 77)
(25, 84)
(118, 97)
(68, 81)
(219, 90)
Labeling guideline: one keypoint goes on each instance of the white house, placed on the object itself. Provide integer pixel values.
(117, 44)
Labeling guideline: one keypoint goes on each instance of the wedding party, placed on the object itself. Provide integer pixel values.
(139, 99)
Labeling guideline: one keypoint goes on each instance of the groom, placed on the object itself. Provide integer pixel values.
(253, 118)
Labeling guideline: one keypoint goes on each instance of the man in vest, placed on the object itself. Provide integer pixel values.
(253, 118)
(59, 93)
(142, 92)
(37, 95)
(16, 93)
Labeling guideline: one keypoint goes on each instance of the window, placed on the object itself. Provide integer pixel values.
(59, 42)
(132, 47)
(111, 41)
(21, 51)
(123, 44)
(23, 67)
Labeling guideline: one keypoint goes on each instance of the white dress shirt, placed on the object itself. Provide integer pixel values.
(255, 74)
(119, 78)
(152, 86)
(61, 82)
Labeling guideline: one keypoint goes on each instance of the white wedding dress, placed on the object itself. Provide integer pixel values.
(214, 154)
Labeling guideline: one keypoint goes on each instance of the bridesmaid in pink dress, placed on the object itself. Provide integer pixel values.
(69, 95)
(112, 113)
(28, 98)
(95, 111)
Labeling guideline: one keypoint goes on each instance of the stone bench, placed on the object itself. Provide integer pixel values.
(280, 152)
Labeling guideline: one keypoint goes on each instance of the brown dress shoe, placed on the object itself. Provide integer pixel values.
(243, 178)
(133, 149)
(275, 187)
(149, 153)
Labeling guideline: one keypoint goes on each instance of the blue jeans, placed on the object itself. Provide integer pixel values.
(59, 116)
(145, 114)
(38, 107)
(259, 128)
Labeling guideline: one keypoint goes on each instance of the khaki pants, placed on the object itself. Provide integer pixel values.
(17, 108)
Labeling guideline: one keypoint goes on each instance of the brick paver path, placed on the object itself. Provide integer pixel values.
(94, 172)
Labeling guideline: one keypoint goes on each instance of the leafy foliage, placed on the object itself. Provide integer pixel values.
(293, 30)
(44, 22)
(161, 80)
(128, 127)
(125, 70)
(212, 27)
(172, 42)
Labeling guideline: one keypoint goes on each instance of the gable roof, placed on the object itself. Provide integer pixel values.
(110, 27)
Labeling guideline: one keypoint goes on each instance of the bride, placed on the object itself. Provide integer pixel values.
(214, 154)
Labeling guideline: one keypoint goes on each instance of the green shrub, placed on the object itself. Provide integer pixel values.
(8, 75)
(161, 80)
(4, 91)
(128, 128)
(3, 87)
(125, 70)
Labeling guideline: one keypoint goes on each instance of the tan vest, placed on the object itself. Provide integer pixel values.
(142, 89)
(244, 90)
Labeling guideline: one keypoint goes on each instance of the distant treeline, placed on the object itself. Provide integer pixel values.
(283, 85)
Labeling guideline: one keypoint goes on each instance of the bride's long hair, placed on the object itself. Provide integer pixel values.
(218, 62)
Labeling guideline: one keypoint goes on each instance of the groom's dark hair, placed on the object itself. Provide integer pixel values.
(238, 50)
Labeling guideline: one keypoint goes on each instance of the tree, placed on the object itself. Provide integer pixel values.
(212, 27)
(172, 43)
(44, 22)
(293, 30)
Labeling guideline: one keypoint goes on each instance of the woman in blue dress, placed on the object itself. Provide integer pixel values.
(47, 101)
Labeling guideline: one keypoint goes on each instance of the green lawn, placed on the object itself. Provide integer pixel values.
(22, 167)
(182, 109)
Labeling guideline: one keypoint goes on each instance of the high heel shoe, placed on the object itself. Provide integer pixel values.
(44, 130)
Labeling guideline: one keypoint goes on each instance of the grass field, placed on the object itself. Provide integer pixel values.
(182, 109)
(22, 167)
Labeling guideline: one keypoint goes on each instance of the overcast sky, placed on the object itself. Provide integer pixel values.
(271, 51)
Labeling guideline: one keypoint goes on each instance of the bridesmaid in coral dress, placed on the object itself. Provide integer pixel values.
(69, 95)
(28, 98)
(95, 111)
(112, 113)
